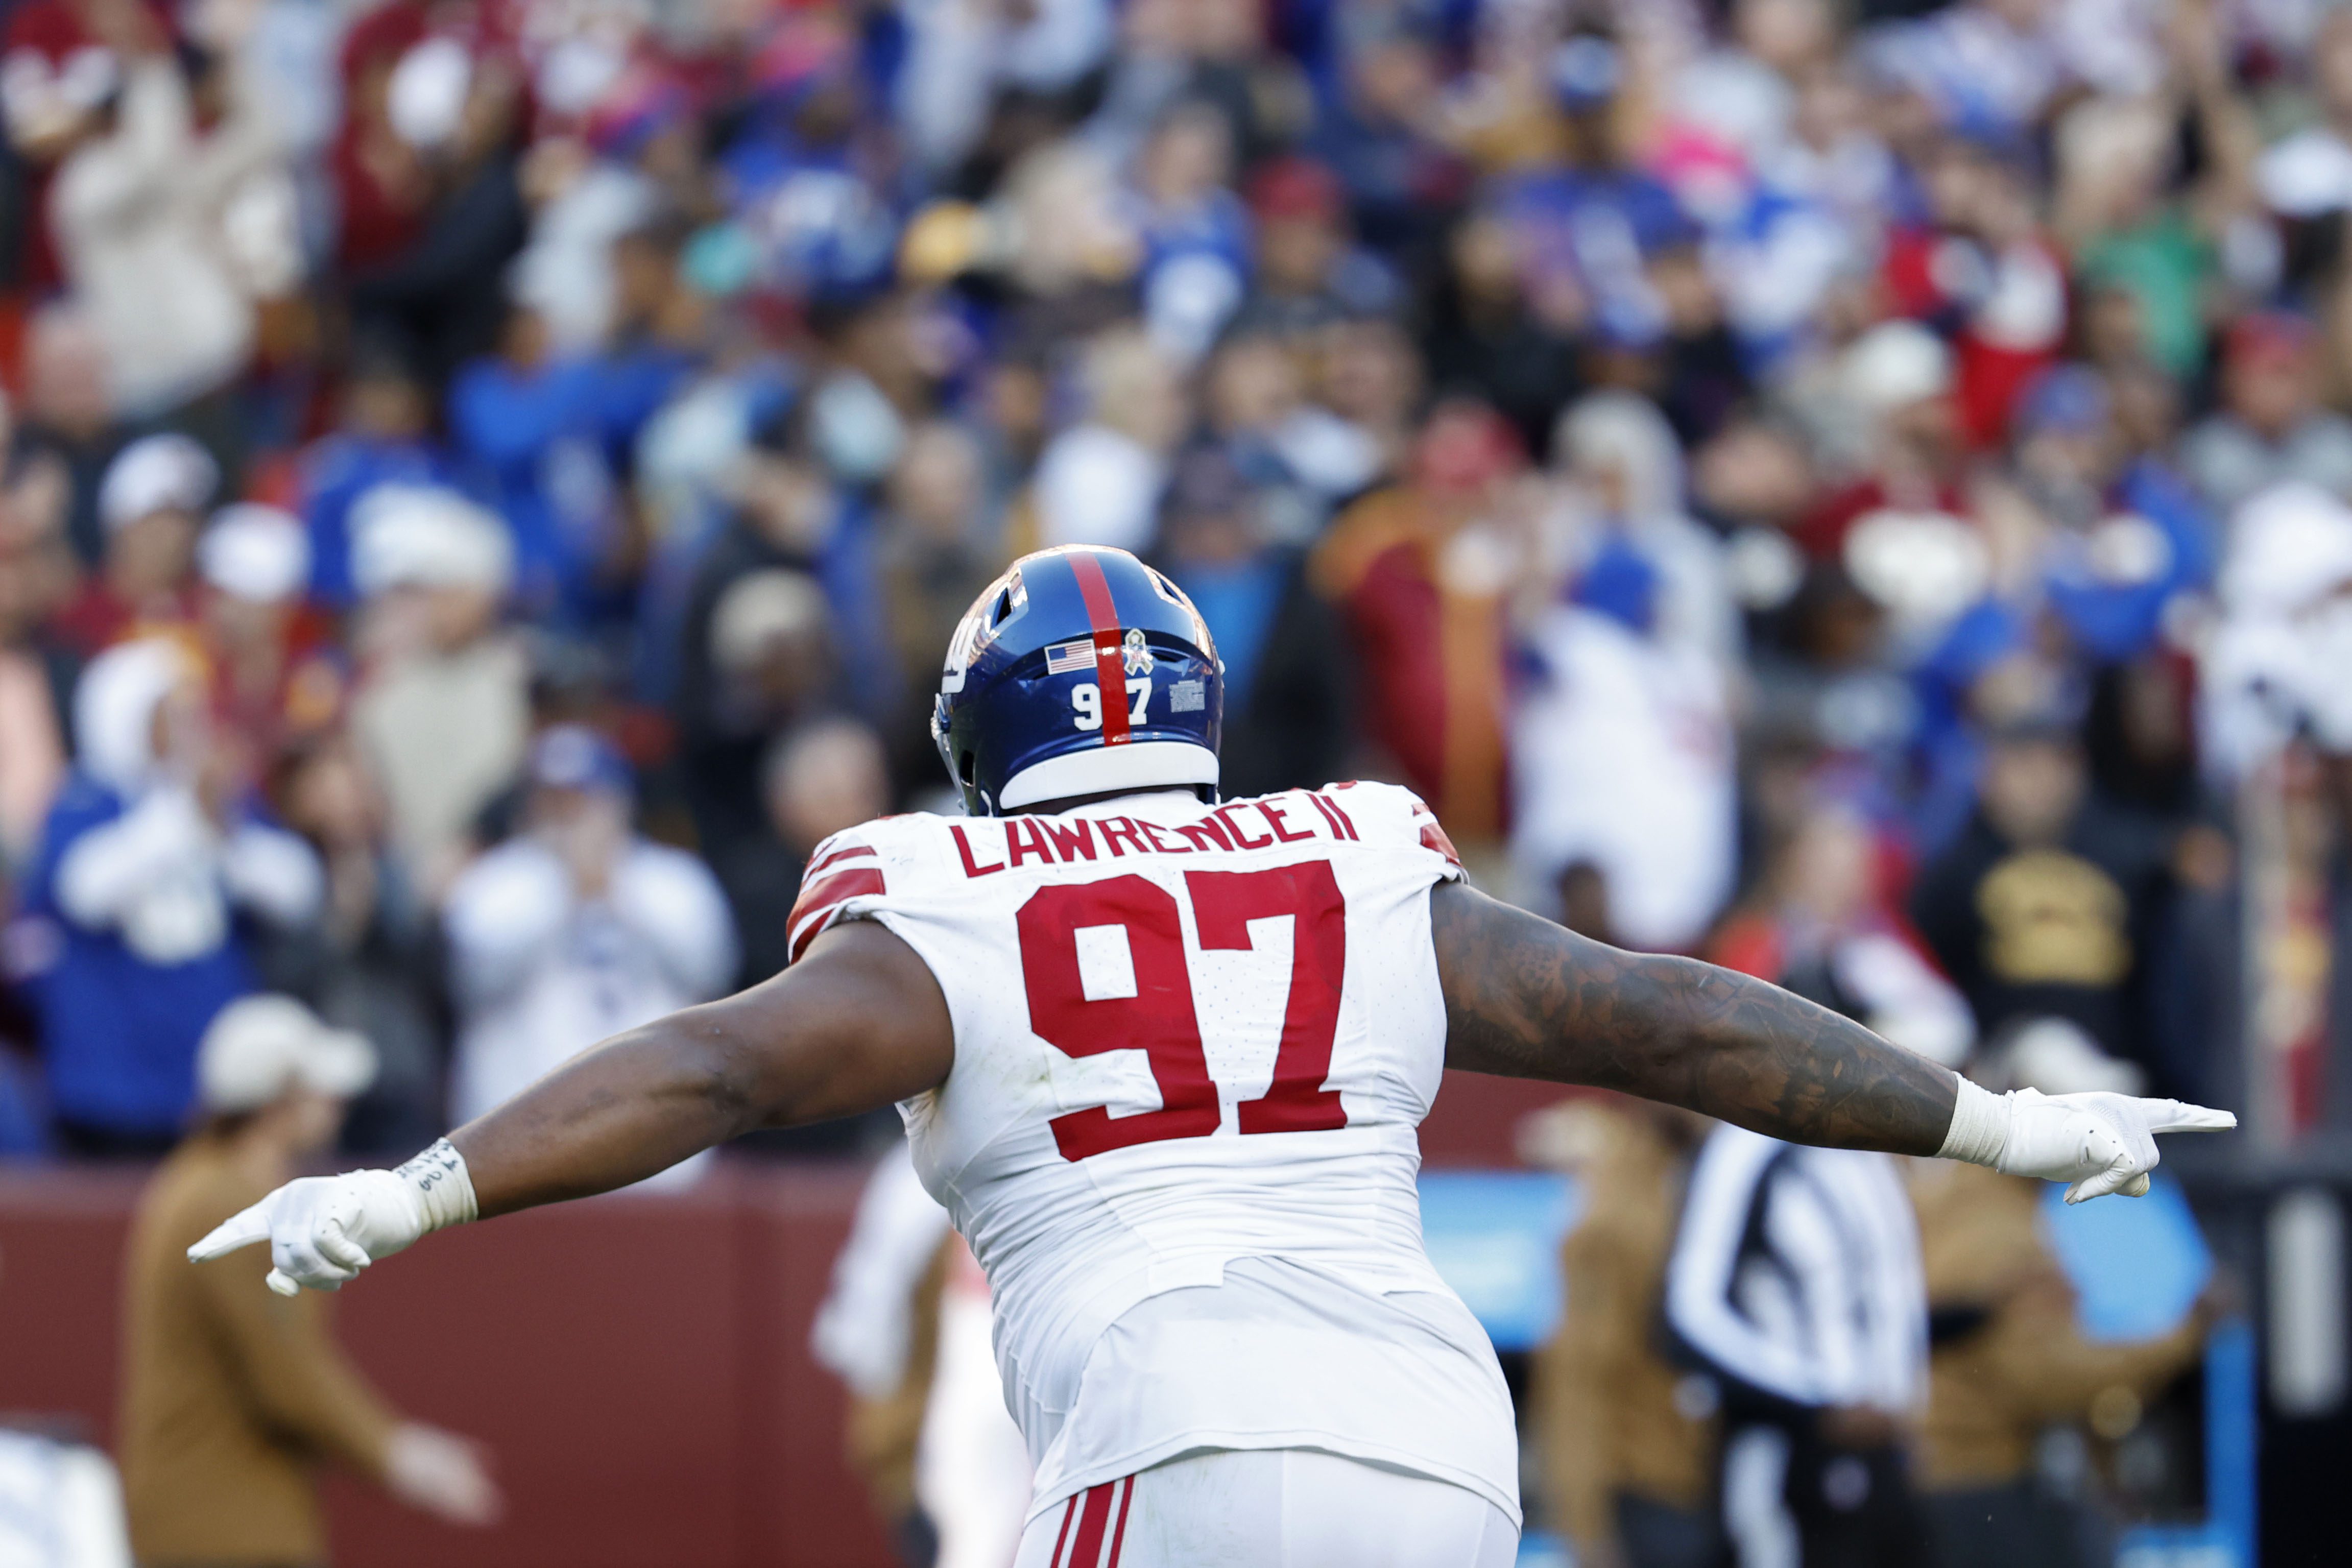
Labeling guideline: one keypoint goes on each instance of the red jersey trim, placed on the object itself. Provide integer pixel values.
(822, 898)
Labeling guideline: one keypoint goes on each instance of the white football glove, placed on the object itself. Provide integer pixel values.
(322, 1230)
(2100, 1143)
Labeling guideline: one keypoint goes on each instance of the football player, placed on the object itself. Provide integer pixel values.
(1163, 1057)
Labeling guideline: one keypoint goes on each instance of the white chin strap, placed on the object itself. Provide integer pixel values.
(1144, 765)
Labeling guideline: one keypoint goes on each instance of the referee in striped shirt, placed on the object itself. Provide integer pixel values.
(1795, 1282)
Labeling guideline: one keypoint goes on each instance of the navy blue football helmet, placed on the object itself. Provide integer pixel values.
(1080, 671)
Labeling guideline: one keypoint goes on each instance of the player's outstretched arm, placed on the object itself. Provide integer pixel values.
(857, 1023)
(1528, 999)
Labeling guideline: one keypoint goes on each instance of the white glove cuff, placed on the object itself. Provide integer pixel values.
(444, 1189)
(1980, 1129)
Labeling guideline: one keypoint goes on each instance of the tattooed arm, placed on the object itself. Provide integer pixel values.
(1528, 999)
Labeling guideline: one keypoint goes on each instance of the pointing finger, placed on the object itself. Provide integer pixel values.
(238, 1230)
(2178, 1116)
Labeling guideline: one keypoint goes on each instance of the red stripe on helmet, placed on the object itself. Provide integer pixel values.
(1110, 662)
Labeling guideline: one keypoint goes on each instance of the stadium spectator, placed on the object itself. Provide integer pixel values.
(820, 778)
(941, 542)
(458, 118)
(67, 434)
(1622, 746)
(141, 209)
(385, 437)
(535, 423)
(36, 676)
(1310, 273)
(1822, 928)
(1483, 339)
(2045, 906)
(1099, 481)
(156, 873)
(2271, 426)
(2010, 1358)
(1287, 706)
(371, 962)
(1628, 1438)
(150, 504)
(574, 929)
(232, 1396)
(274, 675)
(1421, 571)
(771, 663)
(442, 710)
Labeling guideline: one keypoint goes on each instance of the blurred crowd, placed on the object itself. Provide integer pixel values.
(1855, 490)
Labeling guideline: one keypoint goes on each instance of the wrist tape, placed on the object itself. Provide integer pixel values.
(1980, 1129)
(444, 1189)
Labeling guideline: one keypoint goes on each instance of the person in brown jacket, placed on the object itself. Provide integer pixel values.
(230, 1394)
(1629, 1440)
(2008, 1360)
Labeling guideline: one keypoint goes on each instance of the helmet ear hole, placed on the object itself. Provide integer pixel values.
(966, 771)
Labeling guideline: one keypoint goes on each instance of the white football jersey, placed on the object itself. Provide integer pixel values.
(1192, 1047)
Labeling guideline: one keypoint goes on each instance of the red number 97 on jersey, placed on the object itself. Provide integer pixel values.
(1159, 1017)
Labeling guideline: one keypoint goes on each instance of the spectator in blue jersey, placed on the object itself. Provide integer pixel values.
(533, 422)
(1376, 135)
(385, 437)
(155, 874)
(2126, 532)
(1588, 229)
(1286, 705)
(1195, 231)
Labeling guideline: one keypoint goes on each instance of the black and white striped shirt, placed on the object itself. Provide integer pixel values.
(1796, 1274)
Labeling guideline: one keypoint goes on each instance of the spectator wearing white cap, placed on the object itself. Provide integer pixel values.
(156, 875)
(1889, 404)
(270, 680)
(151, 508)
(575, 929)
(230, 1395)
(443, 707)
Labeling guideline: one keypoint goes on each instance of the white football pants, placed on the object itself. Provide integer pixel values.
(1271, 1508)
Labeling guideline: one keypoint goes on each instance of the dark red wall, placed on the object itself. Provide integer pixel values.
(639, 1365)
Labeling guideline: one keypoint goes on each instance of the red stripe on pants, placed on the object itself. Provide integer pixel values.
(1119, 1536)
(1064, 1535)
(1086, 1551)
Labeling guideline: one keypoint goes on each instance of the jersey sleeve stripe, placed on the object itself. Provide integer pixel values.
(1433, 837)
(824, 863)
(820, 901)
